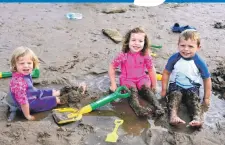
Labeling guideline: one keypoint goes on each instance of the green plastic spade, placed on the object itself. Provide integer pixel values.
(76, 114)
(35, 74)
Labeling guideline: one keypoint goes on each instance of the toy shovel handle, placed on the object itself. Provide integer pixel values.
(119, 92)
(118, 121)
(156, 46)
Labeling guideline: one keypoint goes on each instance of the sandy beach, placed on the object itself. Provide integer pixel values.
(76, 51)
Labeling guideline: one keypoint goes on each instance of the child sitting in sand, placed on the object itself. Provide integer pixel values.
(22, 93)
(134, 60)
(184, 71)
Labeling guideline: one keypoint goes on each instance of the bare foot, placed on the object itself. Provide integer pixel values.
(195, 123)
(176, 120)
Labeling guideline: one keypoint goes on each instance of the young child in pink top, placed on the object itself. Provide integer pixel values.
(134, 60)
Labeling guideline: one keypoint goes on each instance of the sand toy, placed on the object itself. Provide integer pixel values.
(153, 54)
(76, 16)
(35, 74)
(156, 46)
(67, 115)
(113, 136)
(159, 77)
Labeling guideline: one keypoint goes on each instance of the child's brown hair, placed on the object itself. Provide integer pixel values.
(20, 52)
(126, 48)
(190, 34)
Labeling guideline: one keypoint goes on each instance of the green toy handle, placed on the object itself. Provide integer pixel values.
(35, 74)
(156, 46)
(117, 94)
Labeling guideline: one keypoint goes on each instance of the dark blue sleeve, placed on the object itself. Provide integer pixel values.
(172, 61)
(202, 66)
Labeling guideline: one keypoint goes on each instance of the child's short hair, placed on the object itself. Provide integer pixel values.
(190, 34)
(20, 52)
(126, 48)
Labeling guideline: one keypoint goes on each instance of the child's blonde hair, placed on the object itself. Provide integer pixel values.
(20, 52)
(126, 48)
(190, 34)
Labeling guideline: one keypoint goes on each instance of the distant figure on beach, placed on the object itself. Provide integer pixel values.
(22, 94)
(134, 60)
(184, 72)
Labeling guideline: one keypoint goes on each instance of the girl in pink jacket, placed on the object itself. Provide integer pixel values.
(134, 60)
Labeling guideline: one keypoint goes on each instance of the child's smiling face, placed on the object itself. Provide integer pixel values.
(137, 41)
(24, 65)
(188, 48)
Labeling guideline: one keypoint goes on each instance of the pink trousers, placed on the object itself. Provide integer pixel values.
(136, 83)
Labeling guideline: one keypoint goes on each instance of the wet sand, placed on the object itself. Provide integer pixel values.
(73, 51)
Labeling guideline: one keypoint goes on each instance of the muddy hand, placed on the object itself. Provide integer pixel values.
(163, 93)
(83, 86)
(207, 102)
(113, 88)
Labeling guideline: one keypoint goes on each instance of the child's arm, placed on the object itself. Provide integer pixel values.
(18, 86)
(207, 90)
(112, 77)
(152, 75)
(165, 79)
(26, 111)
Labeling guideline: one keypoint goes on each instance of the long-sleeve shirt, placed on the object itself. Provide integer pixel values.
(133, 65)
(22, 89)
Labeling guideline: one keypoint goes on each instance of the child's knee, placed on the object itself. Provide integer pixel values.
(133, 90)
(174, 99)
(175, 95)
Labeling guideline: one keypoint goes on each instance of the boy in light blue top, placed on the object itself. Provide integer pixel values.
(184, 72)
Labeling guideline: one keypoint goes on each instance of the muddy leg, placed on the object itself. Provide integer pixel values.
(151, 98)
(175, 98)
(136, 106)
(193, 103)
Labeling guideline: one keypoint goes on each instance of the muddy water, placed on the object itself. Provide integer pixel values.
(134, 125)
(119, 108)
(101, 120)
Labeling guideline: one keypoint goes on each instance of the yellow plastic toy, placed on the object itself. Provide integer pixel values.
(67, 115)
(113, 136)
(159, 77)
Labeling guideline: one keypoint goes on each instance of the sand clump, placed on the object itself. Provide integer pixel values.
(218, 79)
(70, 95)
